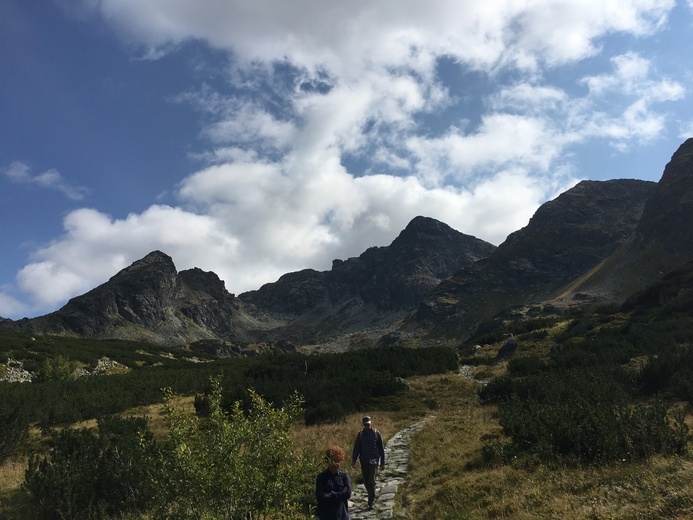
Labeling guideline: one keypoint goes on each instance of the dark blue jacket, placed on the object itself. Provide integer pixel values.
(369, 447)
(332, 492)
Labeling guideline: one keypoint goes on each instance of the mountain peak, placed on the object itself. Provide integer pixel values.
(420, 223)
(668, 213)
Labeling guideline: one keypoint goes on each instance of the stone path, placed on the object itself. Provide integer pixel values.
(387, 481)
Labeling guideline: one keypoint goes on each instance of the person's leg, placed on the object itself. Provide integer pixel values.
(364, 475)
(369, 480)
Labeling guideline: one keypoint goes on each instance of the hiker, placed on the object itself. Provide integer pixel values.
(333, 487)
(369, 448)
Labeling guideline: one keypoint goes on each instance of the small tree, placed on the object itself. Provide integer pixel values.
(58, 369)
(237, 465)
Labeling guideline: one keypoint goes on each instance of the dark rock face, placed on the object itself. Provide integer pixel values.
(565, 238)
(138, 294)
(662, 241)
(577, 230)
(668, 215)
(201, 297)
(148, 300)
(381, 284)
(600, 241)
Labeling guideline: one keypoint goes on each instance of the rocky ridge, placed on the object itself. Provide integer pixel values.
(662, 240)
(565, 238)
(151, 301)
(598, 241)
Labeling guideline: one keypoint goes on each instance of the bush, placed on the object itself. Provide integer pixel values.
(497, 390)
(670, 371)
(14, 431)
(94, 475)
(523, 366)
(586, 417)
(234, 466)
(58, 369)
(240, 465)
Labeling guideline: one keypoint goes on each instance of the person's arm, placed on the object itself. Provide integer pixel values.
(345, 493)
(320, 493)
(381, 450)
(355, 452)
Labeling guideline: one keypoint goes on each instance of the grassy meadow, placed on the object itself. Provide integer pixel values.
(478, 456)
(446, 479)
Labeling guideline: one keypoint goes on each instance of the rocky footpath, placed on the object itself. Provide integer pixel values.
(388, 480)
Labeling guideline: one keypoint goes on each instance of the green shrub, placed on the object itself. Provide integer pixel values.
(94, 475)
(497, 390)
(669, 372)
(14, 430)
(523, 366)
(235, 465)
(58, 369)
(584, 416)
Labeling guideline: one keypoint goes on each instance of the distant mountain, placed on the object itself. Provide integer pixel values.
(599, 241)
(662, 241)
(151, 301)
(565, 238)
(378, 287)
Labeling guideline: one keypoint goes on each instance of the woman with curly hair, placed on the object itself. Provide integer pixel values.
(333, 487)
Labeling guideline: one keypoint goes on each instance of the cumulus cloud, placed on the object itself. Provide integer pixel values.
(20, 172)
(11, 306)
(320, 144)
(345, 37)
(334, 217)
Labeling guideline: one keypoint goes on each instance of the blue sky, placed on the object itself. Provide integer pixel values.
(258, 138)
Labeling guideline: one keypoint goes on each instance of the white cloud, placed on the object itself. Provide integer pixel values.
(631, 89)
(632, 76)
(20, 172)
(10, 306)
(345, 37)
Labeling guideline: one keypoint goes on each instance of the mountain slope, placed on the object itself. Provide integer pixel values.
(151, 301)
(565, 238)
(379, 286)
(598, 241)
(663, 238)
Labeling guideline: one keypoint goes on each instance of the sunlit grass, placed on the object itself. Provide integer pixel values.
(448, 481)
(447, 478)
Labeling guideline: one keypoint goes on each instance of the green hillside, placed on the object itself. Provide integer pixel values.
(545, 412)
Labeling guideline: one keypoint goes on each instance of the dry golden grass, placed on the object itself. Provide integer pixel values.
(13, 504)
(12, 473)
(448, 481)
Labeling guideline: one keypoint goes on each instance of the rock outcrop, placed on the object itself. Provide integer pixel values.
(379, 286)
(565, 238)
(662, 240)
(149, 301)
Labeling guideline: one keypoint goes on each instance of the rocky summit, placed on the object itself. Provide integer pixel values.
(565, 238)
(600, 241)
(375, 289)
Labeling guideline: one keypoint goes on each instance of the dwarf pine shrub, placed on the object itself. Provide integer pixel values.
(93, 475)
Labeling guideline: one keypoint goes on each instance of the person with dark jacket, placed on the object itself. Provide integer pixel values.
(333, 487)
(369, 448)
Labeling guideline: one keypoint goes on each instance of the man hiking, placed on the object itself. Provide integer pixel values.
(369, 448)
